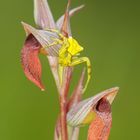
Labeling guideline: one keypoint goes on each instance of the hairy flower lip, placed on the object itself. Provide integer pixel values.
(30, 62)
(78, 113)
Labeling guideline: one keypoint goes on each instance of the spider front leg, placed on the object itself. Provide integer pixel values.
(56, 31)
(56, 42)
(80, 60)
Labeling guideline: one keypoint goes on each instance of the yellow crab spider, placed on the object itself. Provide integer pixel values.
(68, 54)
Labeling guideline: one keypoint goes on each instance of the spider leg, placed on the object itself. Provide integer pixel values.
(56, 42)
(82, 60)
(56, 31)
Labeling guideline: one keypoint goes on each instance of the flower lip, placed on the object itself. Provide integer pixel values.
(30, 61)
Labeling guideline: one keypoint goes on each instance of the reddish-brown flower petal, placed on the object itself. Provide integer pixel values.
(30, 61)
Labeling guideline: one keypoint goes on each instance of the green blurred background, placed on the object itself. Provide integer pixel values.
(110, 32)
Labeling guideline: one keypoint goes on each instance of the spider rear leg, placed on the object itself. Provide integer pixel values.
(82, 60)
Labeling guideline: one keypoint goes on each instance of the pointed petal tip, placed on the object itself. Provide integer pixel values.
(24, 24)
(115, 88)
(42, 89)
(112, 94)
(28, 28)
(81, 6)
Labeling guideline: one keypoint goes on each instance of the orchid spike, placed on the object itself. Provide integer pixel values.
(62, 50)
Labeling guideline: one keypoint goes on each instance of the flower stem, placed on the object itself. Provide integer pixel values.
(63, 101)
(64, 134)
